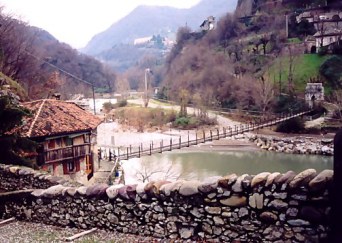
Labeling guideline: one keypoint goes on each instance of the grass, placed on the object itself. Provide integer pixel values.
(306, 66)
(15, 86)
(160, 103)
(142, 118)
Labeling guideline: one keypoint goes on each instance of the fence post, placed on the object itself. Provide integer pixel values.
(170, 144)
(224, 132)
(130, 149)
(211, 135)
(99, 154)
(161, 146)
(142, 150)
(180, 142)
(110, 155)
(152, 145)
(196, 138)
(150, 149)
(188, 139)
(119, 153)
(139, 152)
(218, 133)
(203, 136)
(127, 154)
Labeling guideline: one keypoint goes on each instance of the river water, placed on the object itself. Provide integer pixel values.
(198, 165)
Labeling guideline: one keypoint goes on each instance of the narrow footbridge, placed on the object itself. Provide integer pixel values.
(200, 136)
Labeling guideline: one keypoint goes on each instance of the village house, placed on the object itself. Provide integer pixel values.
(65, 134)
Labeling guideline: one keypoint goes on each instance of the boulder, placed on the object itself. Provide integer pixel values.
(234, 201)
(271, 178)
(209, 184)
(96, 191)
(302, 178)
(320, 181)
(167, 189)
(227, 180)
(259, 179)
(285, 178)
(189, 188)
(237, 186)
(113, 191)
(53, 191)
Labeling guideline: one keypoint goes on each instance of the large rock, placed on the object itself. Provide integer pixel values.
(227, 180)
(97, 191)
(303, 178)
(238, 187)
(268, 217)
(278, 205)
(113, 191)
(127, 192)
(82, 190)
(259, 179)
(167, 189)
(271, 178)
(157, 185)
(186, 233)
(320, 181)
(256, 201)
(234, 201)
(287, 177)
(53, 191)
(209, 184)
(189, 188)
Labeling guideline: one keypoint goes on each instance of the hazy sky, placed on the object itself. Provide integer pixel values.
(76, 21)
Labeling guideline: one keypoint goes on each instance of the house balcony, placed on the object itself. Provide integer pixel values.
(67, 153)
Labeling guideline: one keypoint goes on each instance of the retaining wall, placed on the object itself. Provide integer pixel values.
(263, 208)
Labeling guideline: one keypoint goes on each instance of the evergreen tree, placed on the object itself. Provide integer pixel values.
(14, 149)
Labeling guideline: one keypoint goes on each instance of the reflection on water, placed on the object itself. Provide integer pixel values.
(199, 165)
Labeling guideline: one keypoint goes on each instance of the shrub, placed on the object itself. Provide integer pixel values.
(122, 103)
(294, 125)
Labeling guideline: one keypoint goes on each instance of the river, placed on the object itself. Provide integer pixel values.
(197, 165)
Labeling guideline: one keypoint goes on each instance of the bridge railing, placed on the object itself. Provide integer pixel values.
(200, 136)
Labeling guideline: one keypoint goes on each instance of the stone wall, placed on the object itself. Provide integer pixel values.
(263, 208)
(294, 145)
(13, 178)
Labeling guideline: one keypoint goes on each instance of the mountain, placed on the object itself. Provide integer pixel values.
(152, 20)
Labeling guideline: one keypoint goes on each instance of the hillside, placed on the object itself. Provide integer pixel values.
(35, 58)
(151, 20)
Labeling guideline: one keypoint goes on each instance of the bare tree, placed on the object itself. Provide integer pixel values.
(147, 173)
(264, 94)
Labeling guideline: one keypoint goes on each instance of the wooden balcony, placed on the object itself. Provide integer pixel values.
(67, 153)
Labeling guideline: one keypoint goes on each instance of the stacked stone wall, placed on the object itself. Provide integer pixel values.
(268, 207)
(13, 178)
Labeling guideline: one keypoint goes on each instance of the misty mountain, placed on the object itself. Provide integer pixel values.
(152, 20)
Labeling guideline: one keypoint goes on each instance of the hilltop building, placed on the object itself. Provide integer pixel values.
(208, 24)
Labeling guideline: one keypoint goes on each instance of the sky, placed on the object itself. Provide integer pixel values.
(75, 22)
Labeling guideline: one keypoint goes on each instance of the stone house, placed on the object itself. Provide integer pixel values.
(328, 37)
(65, 136)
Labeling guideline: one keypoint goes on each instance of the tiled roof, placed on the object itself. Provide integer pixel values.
(55, 117)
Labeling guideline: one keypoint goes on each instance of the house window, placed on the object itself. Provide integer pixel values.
(86, 138)
(71, 166)
(68, 141)
(51, 144)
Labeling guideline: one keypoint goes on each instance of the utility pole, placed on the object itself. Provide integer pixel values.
(287, 25)
(147, 71)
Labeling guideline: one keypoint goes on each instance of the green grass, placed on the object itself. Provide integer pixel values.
(294, 40)
(306, 66)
